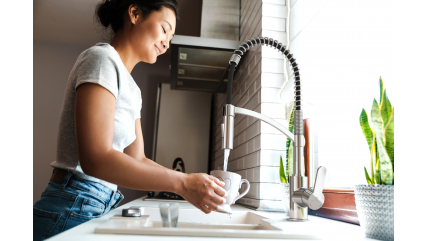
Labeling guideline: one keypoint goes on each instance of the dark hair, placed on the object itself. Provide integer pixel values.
(111, 12)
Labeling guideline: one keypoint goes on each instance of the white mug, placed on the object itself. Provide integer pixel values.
(232, 183)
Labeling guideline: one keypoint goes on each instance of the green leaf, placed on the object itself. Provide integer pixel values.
(369, 181)
(290, 169)
(382, 88)
(389, 139)
(385, 109)
(281, 171)
(377, 166)
(364, 123)
(384, 163)
(289, 144)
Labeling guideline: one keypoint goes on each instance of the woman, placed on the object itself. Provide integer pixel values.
(100, 143)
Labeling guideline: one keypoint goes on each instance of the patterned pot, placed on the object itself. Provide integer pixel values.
(375, 209)
(285, 189)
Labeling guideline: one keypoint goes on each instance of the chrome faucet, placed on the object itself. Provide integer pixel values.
(301, 196)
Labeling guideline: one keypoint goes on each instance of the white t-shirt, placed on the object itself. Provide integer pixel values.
(100, 64)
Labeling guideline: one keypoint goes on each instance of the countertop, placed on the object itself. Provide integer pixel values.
(327, 228)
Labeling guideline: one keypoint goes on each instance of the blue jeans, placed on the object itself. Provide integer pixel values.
(70, 203)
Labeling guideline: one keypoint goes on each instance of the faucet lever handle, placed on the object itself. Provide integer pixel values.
(319, 180)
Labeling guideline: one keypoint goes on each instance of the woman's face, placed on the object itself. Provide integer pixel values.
(151, 37)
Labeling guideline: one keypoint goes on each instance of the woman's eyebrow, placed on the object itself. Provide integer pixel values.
(170, 27)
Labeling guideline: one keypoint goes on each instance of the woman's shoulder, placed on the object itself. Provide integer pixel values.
(100, 50)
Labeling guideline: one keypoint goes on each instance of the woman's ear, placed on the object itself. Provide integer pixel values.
(134, 13)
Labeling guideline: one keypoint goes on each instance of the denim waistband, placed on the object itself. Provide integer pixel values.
(110, 197)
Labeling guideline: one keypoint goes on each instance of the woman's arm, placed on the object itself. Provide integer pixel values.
(136, 149)
(94, 123)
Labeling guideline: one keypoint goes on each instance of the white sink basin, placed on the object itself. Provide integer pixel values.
(193, 222)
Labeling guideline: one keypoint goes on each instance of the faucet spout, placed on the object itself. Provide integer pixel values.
(298, 181)
(266, 119)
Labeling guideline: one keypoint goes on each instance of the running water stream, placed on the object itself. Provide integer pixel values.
(226, 158)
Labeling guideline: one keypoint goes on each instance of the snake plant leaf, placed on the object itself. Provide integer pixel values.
(389, 139)
(289, 146)
(281, 171)
(377, 165)
(382, 88)
(384, 163)
(377, 120)
(385, 109)
(369, 181)
(364, 123)
(290, 169)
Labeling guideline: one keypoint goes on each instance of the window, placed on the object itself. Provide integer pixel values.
(342, 48)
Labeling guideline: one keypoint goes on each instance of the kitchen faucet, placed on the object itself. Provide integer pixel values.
(301, 196)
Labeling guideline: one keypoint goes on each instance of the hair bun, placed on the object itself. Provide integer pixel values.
(105, 12)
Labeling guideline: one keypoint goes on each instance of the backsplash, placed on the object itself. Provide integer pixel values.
(257, 145)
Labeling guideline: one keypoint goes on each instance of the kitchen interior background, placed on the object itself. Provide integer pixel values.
(325, 42)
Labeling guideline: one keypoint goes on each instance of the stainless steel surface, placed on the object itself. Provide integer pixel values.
(298, 155)
(300, 195)
(131, 212)
(235, 58)
(228, 121)
(266, 119)
(205, 42)
(312, 198)
(200, 64)
(229, 110)
(298, 122)
(297, 213)
(220, 19)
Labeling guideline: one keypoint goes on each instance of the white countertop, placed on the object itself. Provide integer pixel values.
(327, 228)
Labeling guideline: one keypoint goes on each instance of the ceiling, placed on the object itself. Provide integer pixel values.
(72, 22)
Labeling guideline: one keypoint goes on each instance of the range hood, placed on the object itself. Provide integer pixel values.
(200, 64)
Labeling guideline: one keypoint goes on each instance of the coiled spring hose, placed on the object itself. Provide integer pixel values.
(245, 46)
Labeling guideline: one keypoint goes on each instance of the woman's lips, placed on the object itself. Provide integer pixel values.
(157, 50)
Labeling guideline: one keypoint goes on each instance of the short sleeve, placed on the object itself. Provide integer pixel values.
(97, 66)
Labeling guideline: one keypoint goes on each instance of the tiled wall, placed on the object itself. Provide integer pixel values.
(257, 145)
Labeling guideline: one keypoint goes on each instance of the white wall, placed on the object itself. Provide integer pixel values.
(52, 66)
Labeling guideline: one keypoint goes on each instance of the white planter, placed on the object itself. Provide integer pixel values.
(375, 209)
(285, 189)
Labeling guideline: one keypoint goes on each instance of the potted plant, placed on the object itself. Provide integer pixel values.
(375, 200)
(285, 173)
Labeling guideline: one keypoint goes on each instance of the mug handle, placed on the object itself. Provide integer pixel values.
(246, 190)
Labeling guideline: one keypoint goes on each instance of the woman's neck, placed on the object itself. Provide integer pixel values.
(120, 44)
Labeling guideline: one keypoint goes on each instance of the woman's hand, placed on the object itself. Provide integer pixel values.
(203, 191)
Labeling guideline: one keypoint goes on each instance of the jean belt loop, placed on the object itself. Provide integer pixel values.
(66, 179)
(118, 200)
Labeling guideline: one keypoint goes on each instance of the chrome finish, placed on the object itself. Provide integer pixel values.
(312, 197)
(228, 121)
(131, 212)
(235, 58)
(298, 154)
(300, 195)
(266, 119)
(297, 213)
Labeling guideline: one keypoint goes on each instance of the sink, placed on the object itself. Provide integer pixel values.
(193, 222)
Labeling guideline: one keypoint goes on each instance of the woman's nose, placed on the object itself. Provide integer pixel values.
(165, 45)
